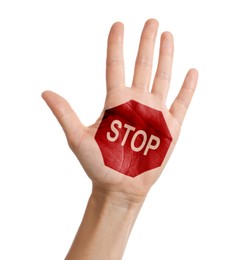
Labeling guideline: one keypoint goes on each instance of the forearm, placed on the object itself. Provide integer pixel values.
(105, 227)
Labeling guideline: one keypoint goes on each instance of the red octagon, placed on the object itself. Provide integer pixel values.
(133, 138)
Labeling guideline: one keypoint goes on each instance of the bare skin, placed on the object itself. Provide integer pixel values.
(116, 199)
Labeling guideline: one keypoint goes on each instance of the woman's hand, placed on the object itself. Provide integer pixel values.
(81, 138)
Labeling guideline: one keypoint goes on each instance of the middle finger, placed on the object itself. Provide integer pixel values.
(143, 65)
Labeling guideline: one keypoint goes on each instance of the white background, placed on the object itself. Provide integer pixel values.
(193, 211)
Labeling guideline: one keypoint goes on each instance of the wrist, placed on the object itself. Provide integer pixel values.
(108, 213)
(117, 199)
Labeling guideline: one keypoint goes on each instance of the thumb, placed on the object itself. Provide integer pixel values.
(66, 116)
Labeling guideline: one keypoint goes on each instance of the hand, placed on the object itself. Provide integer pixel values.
(81, 138)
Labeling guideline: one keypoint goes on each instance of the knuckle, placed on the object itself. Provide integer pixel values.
(182, 101)
(114, 62)
(71, 143)
(143, 61)
(139, 85)
(163, 75)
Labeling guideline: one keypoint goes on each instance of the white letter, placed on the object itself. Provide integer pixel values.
(129, 128)
(139, 132)
(112, 126)
(151, 146)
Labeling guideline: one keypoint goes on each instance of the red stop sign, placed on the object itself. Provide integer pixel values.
(133, 138)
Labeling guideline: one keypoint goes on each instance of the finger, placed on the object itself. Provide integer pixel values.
(115, 74)
(66, 116)
(164, 67)
(143, 65)
(182, 101)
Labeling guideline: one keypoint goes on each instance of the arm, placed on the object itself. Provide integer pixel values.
(117, 198)
(105, 227)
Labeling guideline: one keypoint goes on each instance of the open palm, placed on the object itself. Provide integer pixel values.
(81, 138)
